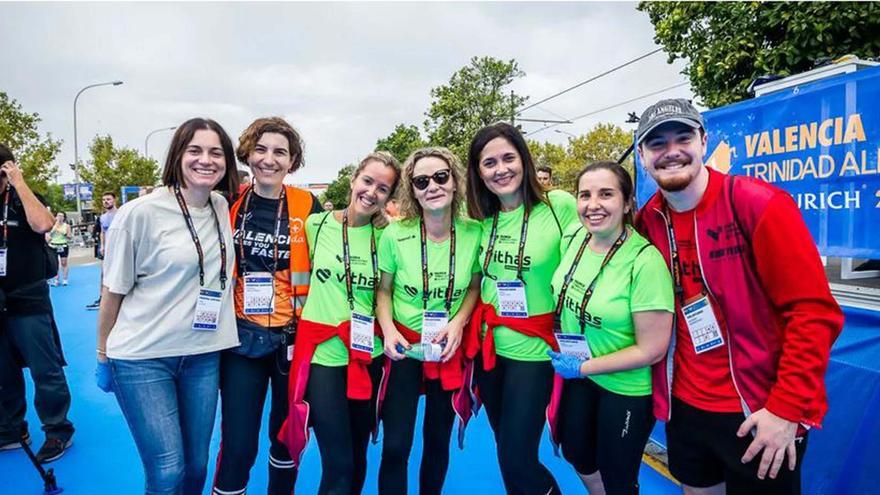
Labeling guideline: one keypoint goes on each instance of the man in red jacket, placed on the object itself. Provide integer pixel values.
(755, 319)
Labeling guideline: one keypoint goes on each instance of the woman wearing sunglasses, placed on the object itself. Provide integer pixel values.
(522, 228)
(614, 303)
(429, 286)
(337, 358)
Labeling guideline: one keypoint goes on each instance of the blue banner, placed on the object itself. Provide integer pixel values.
(85, 191)
(818, 141)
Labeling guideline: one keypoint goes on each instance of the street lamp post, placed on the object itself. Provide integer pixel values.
(76, 148)
(147, 139)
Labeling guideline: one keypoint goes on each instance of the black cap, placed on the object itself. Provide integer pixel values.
(673, 110)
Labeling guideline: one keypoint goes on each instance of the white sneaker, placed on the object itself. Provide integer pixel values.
(64, 282)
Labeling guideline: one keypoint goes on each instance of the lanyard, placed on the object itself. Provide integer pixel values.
(244, 209)
(6, 194)
(451, 285)
(346, 260)
(195, 237)
(490, 248)
(678, 288)
(588, 293)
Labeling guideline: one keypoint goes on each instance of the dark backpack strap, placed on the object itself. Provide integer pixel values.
(633, 267)
(576, 232)
(553, 212)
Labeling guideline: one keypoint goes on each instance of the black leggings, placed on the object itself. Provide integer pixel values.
(243, 383)
(398, 424)
(516, 394)
(604, 431)
(342, 427)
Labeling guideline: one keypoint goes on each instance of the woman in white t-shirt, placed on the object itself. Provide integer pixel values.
(167, 310)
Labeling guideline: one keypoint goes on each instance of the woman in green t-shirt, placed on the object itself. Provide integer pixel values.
(337, 360)
(614, 313)
(429, 286)
(59, 240)
(512, 327)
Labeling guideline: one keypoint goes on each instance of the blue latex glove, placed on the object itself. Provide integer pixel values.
(566, 365)
(103, 377)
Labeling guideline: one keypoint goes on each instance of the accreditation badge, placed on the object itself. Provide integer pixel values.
(574, 344)
(259, 293)
(702, 325)
(3, 262)
(207, 314)
(512, 299)
(362, 331)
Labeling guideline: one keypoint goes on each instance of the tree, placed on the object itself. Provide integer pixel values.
(474, 97)
(601, 143)
(401, 142)
(111, 168)
(33, 152)
(729, 44)
(340, 189)
(55, 199)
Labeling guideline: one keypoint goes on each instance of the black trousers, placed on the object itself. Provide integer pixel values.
(243, 385)
(32, 338)
(604, 431)
(398, 426)
(516, 394)
(342, 427)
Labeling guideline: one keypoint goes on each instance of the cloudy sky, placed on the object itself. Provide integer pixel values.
(344, 74)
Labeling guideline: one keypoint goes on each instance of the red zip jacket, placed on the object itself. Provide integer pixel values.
(294, 432)
(762, 270)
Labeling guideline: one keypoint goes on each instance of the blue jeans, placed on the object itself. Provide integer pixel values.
(169, 404)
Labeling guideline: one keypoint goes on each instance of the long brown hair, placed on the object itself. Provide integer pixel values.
(172, 175)
(482, 203)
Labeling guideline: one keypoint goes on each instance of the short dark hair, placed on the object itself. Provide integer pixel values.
(249, 138)
(109, 193)
(545, 168)
(6, 154)
(481, 203)
(624, 182)
(173, 173)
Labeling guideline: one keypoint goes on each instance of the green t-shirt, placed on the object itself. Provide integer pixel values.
(636, 279)
(540, 258)
(400, 254)
(328, 300)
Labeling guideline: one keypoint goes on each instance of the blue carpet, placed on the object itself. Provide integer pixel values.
(103, 459)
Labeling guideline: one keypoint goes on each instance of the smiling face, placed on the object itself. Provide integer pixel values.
(601, 203)
(501, 168)
(271, 160)
(371, 188)
(435, 197)
(203, 163)
(673, 155)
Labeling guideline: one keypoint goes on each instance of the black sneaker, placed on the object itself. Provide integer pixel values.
(53, 449)
(14, 444)
(94, 306)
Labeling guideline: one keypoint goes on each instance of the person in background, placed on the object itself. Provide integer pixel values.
(430, 284)
(167, 308)
(392, 210)
(244, 180)
(328, 206)
(545, 177)
(755, 318)
(28, 335)
(513, 324)
(614, 312)
(108, 201)
(271, 286)
(59, 240)
(337, 361)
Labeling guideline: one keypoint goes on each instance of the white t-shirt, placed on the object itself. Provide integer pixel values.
(152, 260)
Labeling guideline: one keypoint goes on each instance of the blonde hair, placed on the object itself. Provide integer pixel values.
(387, 159)
(409, 205)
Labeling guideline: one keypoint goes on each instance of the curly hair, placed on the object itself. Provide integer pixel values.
(249, 138)
(409, 205)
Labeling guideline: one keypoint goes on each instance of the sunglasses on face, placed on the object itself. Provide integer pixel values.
(440, 177)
